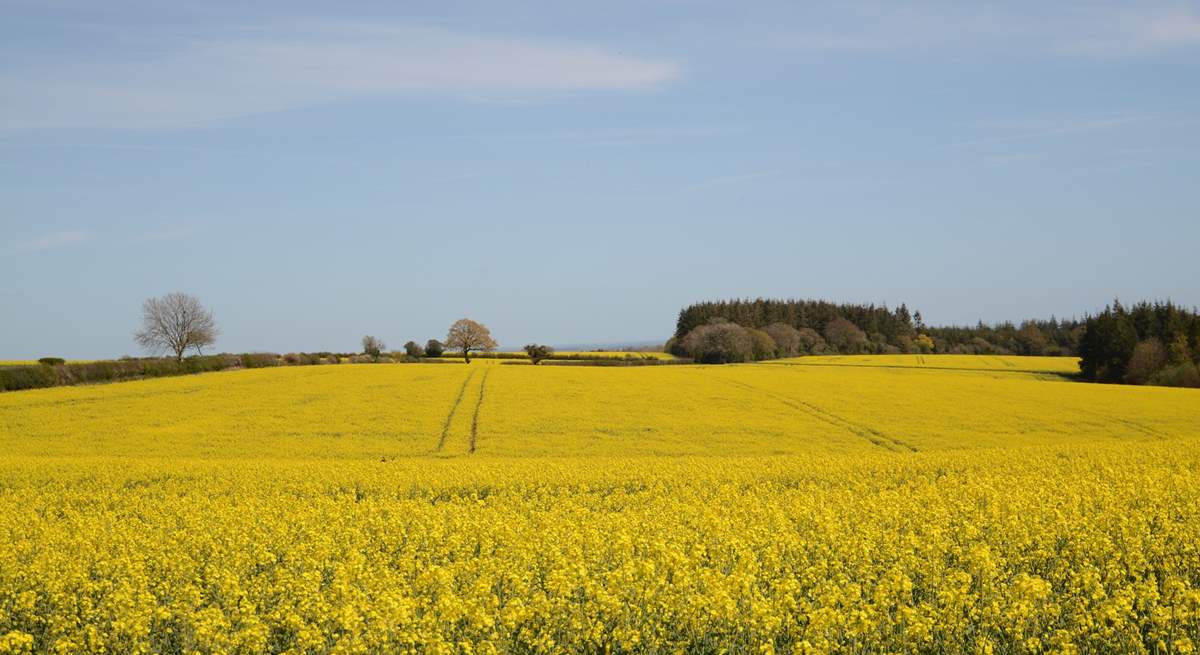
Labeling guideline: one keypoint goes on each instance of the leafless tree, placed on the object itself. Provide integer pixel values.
(845, 336)
(719, 342)
(1148, 358)
(372, 346)
(175, 323)
(467, 335)
(811, 343)
(786, 337)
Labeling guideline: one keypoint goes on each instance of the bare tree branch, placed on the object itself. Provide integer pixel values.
(174, 323)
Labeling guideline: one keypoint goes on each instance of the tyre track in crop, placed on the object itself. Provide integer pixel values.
(475, 416)
(1144, 429)
(453, 409)
(870, 434)
(1132, 425)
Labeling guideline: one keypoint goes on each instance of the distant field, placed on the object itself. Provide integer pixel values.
(617, 354)
(568, 354)
(964, 362)
(401, 411)
(839, 505)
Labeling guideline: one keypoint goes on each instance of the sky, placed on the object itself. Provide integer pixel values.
(572, 173)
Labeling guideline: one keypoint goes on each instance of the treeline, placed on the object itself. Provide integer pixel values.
(1051, 337)
(734, 330)
(1148, 343)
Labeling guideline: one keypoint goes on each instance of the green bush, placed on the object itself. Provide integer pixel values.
(15, 378)
(1185, 374)
(537, 352)
(52, 361)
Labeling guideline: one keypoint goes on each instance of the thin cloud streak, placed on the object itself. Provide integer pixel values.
(219, 79)
(732, 179)
(50, 241)
(1104, 31)
(1086, 126)
(171, 233)
(1139, 34)
(602, 137)
(130, 147)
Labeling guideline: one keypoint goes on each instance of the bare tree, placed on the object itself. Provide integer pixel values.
(786, 337)
(719, 342)
(175, 323)
(811, 343)
(372, 346)
(1148, 358)
(845, 336)
(467, 335)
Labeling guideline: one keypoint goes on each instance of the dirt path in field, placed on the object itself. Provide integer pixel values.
(870, 434)
(475, 416)
(454, 409)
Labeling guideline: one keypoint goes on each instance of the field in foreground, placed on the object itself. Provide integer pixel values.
(483, 508)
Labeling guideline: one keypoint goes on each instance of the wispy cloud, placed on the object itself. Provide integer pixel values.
(1014, 158)
(1095, 29)
(1126, 34)
(1062, 129)
(603, 137)
(278, 69)
(170, 233)
(50, 241)
(129, 147)
(732, 179)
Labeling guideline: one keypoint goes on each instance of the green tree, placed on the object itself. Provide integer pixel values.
(538, 352)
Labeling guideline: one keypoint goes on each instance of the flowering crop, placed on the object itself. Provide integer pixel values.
(758, 508)
(1067, 365)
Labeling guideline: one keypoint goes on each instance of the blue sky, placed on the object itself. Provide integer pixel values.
(317, 171)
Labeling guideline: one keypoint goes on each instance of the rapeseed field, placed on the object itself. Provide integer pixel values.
(1016, 363)
(484, 508)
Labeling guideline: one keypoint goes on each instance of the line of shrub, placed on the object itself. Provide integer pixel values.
(604, 356)
(612, 361)
(16, 378)
(485, 355)
(596, 356)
